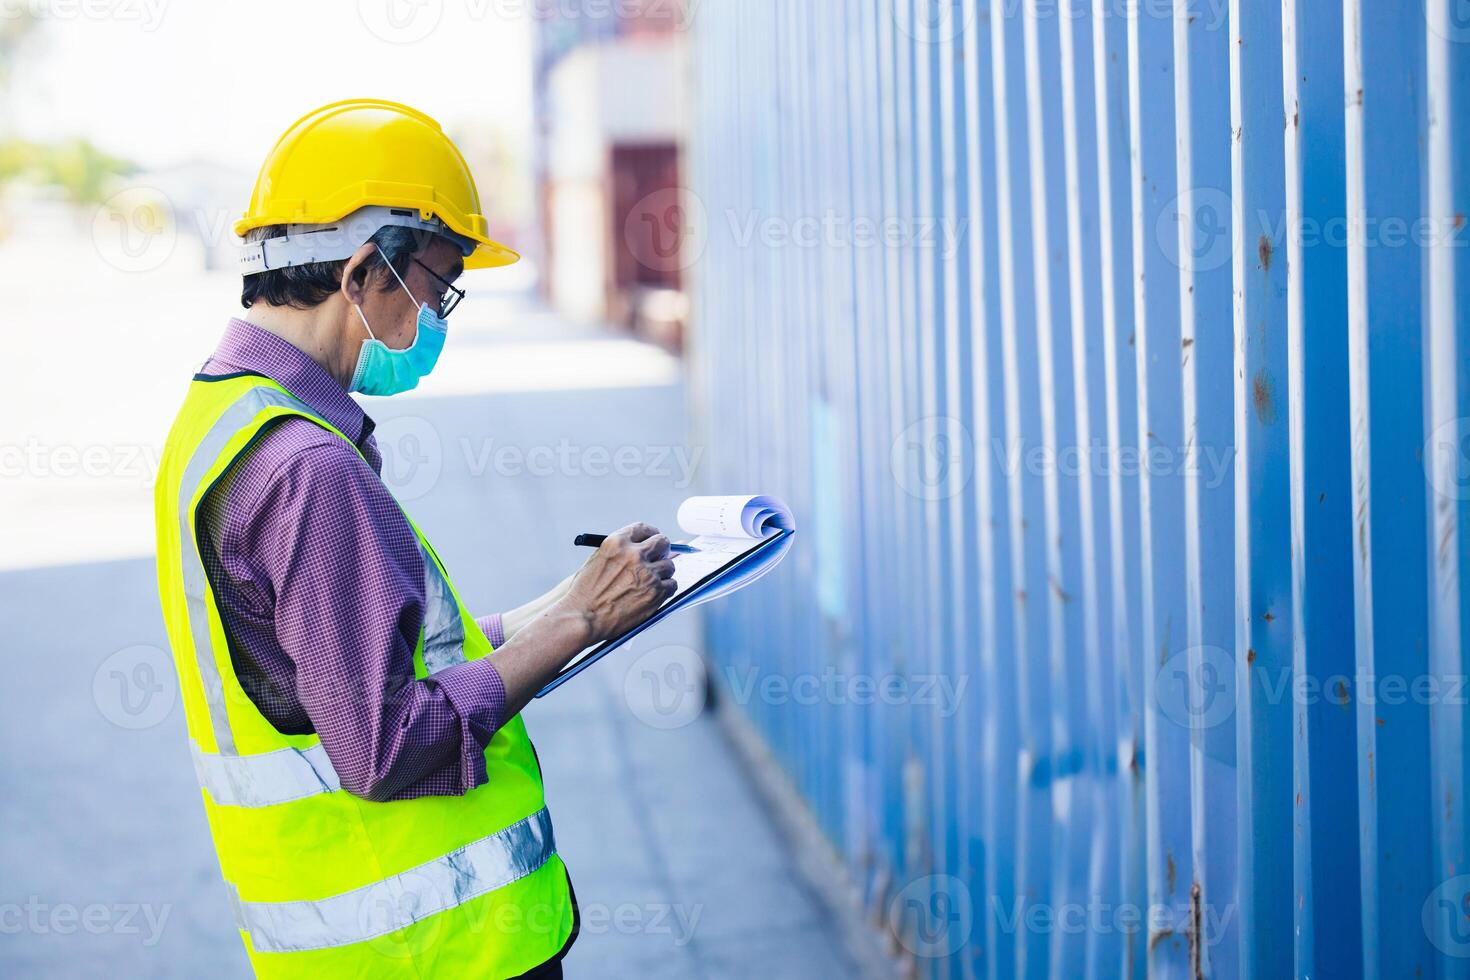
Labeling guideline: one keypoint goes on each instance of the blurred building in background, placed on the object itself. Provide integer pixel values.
(611, 123)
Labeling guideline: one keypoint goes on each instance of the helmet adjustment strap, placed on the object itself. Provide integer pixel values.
(306, 244)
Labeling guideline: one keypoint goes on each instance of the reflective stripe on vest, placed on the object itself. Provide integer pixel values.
(376, 910)
(235, 418)
(443, 629)
(282, 776)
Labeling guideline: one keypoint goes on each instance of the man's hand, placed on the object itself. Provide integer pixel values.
(621, 585)
(623, 582)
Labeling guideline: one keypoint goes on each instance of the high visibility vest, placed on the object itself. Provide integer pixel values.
(326, 884)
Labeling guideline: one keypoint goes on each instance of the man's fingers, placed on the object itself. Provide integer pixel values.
(663, 569)
(656, 547)
(638, 532)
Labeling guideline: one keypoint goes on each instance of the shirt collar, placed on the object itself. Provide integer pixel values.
(246, 347)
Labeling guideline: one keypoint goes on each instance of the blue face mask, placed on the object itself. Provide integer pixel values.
(384, 371)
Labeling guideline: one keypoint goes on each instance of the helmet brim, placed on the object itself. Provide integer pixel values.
(491, 255)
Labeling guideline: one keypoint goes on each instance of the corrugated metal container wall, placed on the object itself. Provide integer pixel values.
(1114, 359)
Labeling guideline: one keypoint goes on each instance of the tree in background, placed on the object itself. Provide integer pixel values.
(75, 170)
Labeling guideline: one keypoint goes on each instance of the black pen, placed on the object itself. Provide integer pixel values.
(595, 541)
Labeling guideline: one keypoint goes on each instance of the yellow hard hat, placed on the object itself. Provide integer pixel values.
(374, 154)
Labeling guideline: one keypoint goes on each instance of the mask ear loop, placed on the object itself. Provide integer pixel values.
(395, 276)
(364, 321)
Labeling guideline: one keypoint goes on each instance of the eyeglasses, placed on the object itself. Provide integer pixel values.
(450, 296)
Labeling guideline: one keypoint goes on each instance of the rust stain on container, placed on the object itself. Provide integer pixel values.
(1263, 397)
(1196, 943)
(1263, 250)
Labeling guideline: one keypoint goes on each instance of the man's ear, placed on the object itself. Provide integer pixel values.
(355, 275)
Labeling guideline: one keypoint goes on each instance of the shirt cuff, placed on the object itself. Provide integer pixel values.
(494, 627)
(478, 696)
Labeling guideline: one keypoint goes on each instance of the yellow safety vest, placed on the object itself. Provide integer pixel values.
(326, 884)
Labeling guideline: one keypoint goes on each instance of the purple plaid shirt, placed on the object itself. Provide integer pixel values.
(320, 582)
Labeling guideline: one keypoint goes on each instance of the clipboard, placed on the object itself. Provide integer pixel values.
(691, 596)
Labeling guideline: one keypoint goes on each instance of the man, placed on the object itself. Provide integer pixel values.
(375, 802)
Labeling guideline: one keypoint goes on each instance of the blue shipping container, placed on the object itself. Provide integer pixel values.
(1115, 358)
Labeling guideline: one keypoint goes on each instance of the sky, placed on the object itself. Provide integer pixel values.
(160, 81)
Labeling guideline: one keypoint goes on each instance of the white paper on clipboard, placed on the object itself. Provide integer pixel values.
(739, 540)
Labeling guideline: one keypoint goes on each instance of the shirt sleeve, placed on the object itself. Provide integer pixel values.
(494, 627)
(348, 579)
